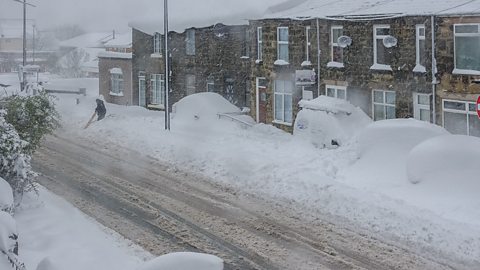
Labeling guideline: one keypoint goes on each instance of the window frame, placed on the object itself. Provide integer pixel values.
(259, 43)
(283, 94)
(210, 83)
(419, 66)
(117, 84)
(283, 43)
(142, 78)
(417, 107)
(336, 88)
(158, 98)
(384, 104)
(335, 43)
(377, 65)
(157, 44)
(455, 35)
(467, 112)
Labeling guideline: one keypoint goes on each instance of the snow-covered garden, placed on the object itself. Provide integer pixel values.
(399, 180)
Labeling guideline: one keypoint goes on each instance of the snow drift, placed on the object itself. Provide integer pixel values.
(184, 261)
(327, 121)
(451, 158)
(202, 106)
(6, 196)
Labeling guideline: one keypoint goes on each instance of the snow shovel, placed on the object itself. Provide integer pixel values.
(90, 121)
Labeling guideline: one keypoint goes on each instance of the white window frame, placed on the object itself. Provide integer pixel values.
(158, 91)
(142, 82)
(334, 43)
(308, 43)
(417, 107)
(116, 83)
(259, 43)
(283, 94)
(376, 65)
(210, 83)
(466, 112)
(455, 35)
(283, 43)
(157, 44)
(190, 45)
(384, 103)
(336, 88)
(419, 67)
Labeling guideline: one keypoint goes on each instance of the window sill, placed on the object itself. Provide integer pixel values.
(281, 63)
(335, 65)
(245, 57)
(458, 71)
(281, 123)
(381, 67)
(306, 64)
(156, 55)
(419, 69)
(116, 94)
(258, 61)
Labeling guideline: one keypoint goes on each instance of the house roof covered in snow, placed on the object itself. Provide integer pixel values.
(121, 41)
(90, 40)
(370, 9)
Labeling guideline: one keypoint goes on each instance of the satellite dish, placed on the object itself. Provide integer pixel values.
(389, 41)
(344, 41)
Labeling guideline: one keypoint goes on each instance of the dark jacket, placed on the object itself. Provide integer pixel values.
(100, 110)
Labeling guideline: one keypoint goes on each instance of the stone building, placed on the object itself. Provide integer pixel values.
(115, 71)
(203, 59)
(379, 57)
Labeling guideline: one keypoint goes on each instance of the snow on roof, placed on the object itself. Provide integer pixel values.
(369, 9)
(90, 40)
(121, 41)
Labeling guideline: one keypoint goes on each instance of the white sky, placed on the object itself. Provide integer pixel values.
(105, 15)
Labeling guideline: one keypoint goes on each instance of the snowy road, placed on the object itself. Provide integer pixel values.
(166, 211)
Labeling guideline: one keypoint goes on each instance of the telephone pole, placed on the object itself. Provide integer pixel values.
(167, 71)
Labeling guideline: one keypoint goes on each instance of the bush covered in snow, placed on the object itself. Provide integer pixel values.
(9, 243)
(6, 197)
(33, 117)
(14, 160)
(184, 261)
(454, 158)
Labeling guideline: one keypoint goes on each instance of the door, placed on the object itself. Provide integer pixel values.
(261, 100)
(230, 91)
(142, 87)
(421, 107)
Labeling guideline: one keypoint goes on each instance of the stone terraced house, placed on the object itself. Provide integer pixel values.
(393, 59)
(203, 59)
(377, 56)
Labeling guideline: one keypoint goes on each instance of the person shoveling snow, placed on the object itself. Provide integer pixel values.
(100, 111)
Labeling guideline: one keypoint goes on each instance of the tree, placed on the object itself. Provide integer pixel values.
(33, 117)
(15, 165)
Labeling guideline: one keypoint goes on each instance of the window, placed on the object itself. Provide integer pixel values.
(467, 54)
(336, 50)
(420, 45)
(381, 58)
(246, 45)
(383, 105)
(421, 106)
(336, 91)
(116, 78)
(210, 84)
(460, 117)
(283, 101)
(142, 89)
(158, 89)
(282, 44)
(259, 43)
(157, 44)
(190, 42)
(308, 43)
(190, 84)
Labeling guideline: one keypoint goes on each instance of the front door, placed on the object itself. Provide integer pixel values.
(421, 106)
(230, 90)
(142, 87)
(261, 100)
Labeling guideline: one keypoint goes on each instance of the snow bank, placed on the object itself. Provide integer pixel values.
(6, 196)
(400, 134)
(202, 106)
(184, 261)
(451, 158)
(327, 121)
(8, 228)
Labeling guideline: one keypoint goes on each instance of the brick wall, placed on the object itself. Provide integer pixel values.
(104, 66)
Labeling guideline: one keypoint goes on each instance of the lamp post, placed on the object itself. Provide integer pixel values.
(167, 72)
(24, 61)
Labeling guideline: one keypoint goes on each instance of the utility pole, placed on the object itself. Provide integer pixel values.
(24, 61)
(167, 71)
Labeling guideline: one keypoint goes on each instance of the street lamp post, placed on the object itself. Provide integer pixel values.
(167, 72)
